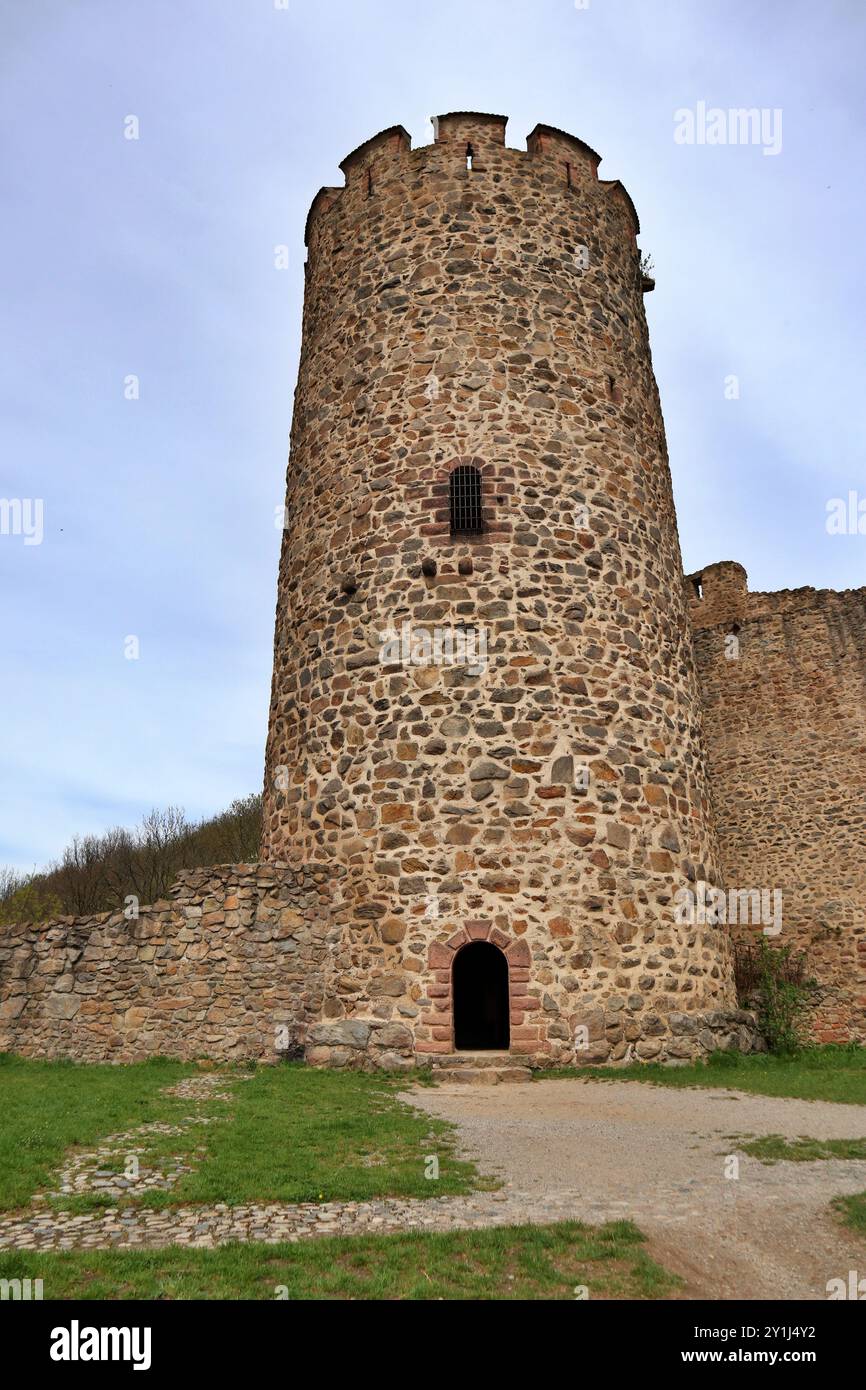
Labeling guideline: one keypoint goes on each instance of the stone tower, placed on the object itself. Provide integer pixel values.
(484, 704)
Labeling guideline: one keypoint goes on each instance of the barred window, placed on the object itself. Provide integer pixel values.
(465, 499)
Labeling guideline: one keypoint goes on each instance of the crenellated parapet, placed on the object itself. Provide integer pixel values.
(719, 595)
(465, 143)
(579, 160)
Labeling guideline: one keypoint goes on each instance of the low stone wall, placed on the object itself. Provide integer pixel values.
(675, 1038)
(232, 965)
(613, 1038)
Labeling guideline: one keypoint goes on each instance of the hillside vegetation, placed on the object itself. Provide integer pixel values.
(96, 873)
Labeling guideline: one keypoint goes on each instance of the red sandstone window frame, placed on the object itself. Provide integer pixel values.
(497, 493)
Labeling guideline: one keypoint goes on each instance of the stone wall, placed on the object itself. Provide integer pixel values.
(234, 965)
(243, 962)
(785, 730)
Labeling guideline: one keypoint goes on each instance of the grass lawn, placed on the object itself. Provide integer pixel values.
(302, 1135)
(773, 1147)
(516, 1262)
(852, 1210)
(818, 1073)
(289, 1134)
(48, 1107)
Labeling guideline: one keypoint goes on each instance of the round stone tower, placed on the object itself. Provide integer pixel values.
(484, 703)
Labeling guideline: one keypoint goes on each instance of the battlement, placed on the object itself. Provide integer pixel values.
(477, 139)
(547, 141)
(384, 148)
(469, 127)
(719, 594)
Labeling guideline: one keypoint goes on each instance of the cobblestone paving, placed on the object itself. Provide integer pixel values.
(273, 1222)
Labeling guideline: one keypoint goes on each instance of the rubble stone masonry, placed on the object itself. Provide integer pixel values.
(468, 303)
(233, 965)
(785, 732)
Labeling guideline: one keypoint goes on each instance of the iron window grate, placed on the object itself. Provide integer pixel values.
(465, 498)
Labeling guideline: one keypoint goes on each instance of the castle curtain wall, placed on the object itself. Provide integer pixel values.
(785, 732)
(235, 965)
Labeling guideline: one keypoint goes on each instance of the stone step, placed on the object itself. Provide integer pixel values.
(474, 1059)
(483, 1076)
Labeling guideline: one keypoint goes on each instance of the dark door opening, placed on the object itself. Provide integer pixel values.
(480, 992)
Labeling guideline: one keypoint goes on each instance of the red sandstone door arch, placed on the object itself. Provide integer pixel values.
(479, 987)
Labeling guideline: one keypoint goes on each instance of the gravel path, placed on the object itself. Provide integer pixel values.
(603, 1150)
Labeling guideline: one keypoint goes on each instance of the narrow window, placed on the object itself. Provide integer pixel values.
(369, 182)
(470, 155)
(568, 173)
(698, 582)
(465, 498)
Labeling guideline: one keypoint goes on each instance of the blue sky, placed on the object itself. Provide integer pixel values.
(155, 258)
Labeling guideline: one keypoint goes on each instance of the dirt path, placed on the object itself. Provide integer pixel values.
(598, 1151)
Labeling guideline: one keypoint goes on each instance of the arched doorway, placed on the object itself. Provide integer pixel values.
(480, 998)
